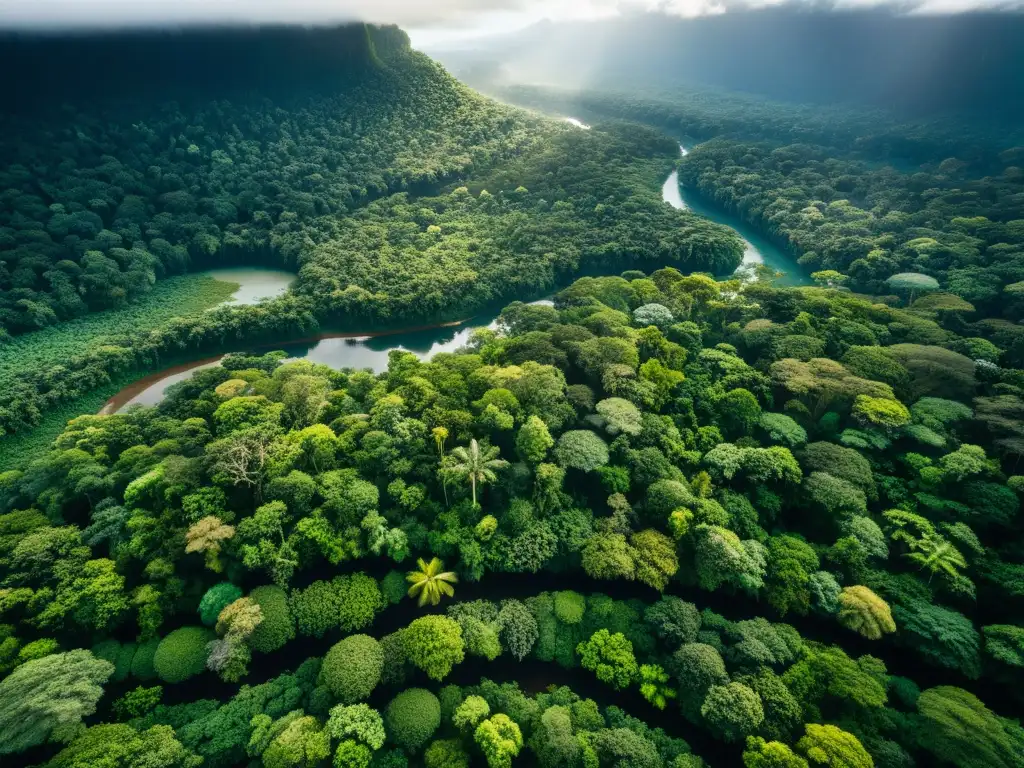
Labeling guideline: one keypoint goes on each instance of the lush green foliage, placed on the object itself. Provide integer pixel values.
(734, 710)
(150, 197)
(217, 598)
(610, 657)
(430, 583)
(819, 456)
(352, 668)
(182, 654)
(348, 603)
(299, 494)
(277, 627)
(500, 739)
(961, 730)
(434, 644)
(412, 717)
(23, 357)
(121, 746)
(46, 699)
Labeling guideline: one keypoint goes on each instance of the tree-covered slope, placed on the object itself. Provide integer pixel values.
(180, 163)
(157, 176)
(399, 196)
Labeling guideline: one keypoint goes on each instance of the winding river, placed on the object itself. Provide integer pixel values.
(758, 250)
(371, 351)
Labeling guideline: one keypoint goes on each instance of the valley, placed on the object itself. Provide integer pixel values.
(371, 351)
(351, 416)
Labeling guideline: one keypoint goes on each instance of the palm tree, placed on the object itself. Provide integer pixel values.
(440, 435)
(479, 466)
(430, 583)
(936, 554)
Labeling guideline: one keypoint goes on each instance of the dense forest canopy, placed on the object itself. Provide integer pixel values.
(804, 455)
(100, 201)
(860, 195)
(672, 518)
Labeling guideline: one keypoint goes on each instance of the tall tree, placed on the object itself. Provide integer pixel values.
(864, 612)
(206, 536)
(829, 746)
(476, 464)
(47, 698)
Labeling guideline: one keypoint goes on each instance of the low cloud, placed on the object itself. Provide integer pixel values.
(76, 14)
(133, 13)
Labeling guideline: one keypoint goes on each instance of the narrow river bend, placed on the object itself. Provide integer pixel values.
(371, 351)
(758, 250)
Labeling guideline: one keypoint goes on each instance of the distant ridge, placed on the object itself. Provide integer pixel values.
(199, 62)
(914, 64)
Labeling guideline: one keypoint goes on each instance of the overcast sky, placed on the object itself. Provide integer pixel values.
(429, 21)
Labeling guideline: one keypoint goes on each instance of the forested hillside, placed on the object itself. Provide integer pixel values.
(101, 198)
(482, 203)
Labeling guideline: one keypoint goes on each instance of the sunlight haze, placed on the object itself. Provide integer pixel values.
(442, 21)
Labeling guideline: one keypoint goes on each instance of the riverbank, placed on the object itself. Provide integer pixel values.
(22, 357)
(359, 352)
(758, 250)
(170, 298)
(150, 389)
